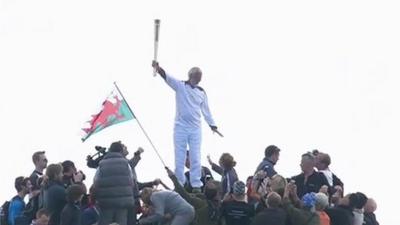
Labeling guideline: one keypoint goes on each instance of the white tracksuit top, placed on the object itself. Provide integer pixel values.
(191, 102)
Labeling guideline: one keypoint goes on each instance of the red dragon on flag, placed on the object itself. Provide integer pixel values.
(114, 110)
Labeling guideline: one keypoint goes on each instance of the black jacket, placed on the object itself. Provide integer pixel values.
(370, 219)
(340, 215)
(71, 215)
(314, 182)
(54, 201)
(114, 182)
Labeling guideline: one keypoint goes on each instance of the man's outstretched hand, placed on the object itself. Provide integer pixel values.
(215, 130)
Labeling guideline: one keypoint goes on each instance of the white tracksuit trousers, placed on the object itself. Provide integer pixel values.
(183, 138)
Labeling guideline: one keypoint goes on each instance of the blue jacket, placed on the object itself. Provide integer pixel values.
(267, 166)
(17, 205)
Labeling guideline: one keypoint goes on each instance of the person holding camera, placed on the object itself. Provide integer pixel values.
(113, 185)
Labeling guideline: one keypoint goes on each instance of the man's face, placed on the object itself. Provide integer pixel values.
(195, 78)
(42, 162)
(318, 164)
(306, 164)
(28, 186)
(275, 157)
(71, 171)
(124, 150)
(42, 220)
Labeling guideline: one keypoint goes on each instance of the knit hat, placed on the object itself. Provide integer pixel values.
(309, 200)
(239, 188)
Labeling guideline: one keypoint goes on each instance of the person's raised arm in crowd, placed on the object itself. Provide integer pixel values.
(215, 167)
(194, 201)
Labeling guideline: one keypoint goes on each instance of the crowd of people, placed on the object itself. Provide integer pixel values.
(58, 195)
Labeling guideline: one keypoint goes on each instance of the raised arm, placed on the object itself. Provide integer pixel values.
(194, 201)
(171, 81)
(215, 167)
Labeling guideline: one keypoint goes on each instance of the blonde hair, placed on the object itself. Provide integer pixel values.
(278, 184)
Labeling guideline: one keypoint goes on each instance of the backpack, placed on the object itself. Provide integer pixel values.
(22, 220)
(4, 213)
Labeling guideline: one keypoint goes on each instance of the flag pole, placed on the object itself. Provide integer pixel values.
(140, 125)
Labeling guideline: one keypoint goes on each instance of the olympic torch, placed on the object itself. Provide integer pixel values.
(156, 34)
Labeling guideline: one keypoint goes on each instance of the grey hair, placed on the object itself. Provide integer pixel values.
(194, 70)
(321, 201)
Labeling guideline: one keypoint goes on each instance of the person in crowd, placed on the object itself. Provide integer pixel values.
(309, 180)
(322, 163)
(235, 210)
(113, 184)
(205, 175)
(262, 185)
(300, 211)
(191, 102)
(226, 170)
(17, 204)
(71, 214)
(54, 193)
(342, 212)
(39, 160)
(42, 217)
(71, 175)
(321, 203)
(271, 157)
(272, 214)
(359, 199)
(206, 204)
(137, 186)
(166, 204)
(369, 212)
(91, 214)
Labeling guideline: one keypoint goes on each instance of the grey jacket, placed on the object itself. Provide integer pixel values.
(113, 182)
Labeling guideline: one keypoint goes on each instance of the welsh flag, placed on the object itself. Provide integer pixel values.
(114, 110)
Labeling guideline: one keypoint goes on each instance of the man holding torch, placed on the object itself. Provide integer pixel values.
(191, 102)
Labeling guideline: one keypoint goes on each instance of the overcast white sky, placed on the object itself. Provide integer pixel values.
(297, 74)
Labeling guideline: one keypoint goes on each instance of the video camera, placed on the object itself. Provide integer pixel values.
(92, 161)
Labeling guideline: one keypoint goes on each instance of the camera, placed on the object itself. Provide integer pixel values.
(92, 161)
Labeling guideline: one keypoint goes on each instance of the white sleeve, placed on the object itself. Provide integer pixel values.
(206, 111)
(172, 81)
